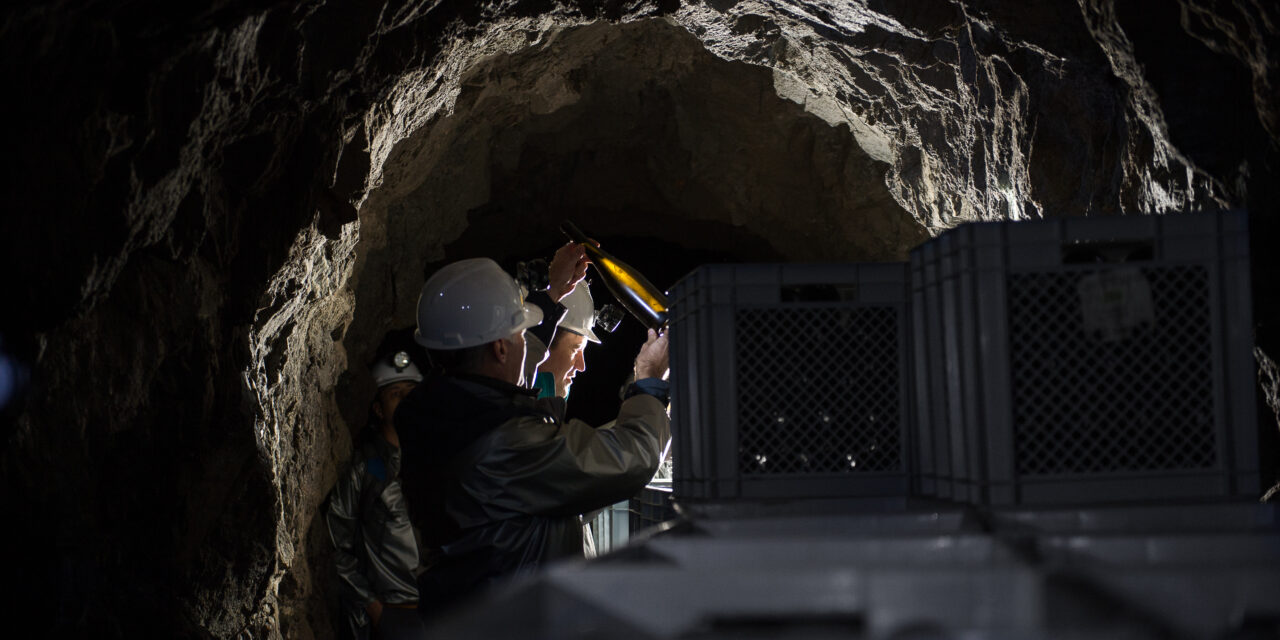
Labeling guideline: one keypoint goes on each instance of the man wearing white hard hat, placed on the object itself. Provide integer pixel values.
(566, 270)
(496, 479)
(375, 550)
(567, 354)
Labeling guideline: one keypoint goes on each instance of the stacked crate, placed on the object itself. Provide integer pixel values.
(651, 507)
(790, 381)
(1075, 360)
(1085, 360)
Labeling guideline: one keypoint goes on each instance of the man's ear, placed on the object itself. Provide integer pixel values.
(500, 349)
(377, 408)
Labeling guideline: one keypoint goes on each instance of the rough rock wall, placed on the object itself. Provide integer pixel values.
(182, 235)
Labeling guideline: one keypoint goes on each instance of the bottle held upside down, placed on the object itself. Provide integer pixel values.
(636, 294)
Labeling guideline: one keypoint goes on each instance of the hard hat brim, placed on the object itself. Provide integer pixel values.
(385, 374)
(589, 335)
(402, 377)
(532, 318)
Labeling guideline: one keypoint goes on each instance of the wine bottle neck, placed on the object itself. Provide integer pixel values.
(575, 234)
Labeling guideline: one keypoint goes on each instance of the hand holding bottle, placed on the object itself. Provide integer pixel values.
(653, 359)
(636, 294)
(568, 268)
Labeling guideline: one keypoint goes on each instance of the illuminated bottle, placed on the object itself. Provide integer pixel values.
(645, 301)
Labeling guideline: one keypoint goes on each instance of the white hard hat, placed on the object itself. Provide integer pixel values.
(470, 303)
(395, 368)
(581, 314)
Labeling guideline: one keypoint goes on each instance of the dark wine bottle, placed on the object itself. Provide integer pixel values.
(636, 294)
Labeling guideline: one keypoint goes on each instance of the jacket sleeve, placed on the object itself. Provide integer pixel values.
(542, 466)
(552, 315)
(343, 519)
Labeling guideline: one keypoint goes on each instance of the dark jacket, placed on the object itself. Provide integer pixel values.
(496, 479)
(375, 552)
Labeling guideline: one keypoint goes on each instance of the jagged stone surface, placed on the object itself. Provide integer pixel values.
(1269, 382)
(185, 255)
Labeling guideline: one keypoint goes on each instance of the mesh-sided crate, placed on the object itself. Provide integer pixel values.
(1086, 360)
(652, 506)
(1241, 550)
(933, 437)
(1242, 516)
(790, 381)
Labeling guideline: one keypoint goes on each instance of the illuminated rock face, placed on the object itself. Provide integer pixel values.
(213, 213)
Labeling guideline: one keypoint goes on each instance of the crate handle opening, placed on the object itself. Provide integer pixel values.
(1108, 252)
(818, 293)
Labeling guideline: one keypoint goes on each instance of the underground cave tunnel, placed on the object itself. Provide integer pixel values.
(228, 208)
(641, 136)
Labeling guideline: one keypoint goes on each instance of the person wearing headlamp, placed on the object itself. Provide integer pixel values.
(375, 549)
(567, 355)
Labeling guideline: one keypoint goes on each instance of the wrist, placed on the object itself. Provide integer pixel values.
(652, 386)
(650, 371)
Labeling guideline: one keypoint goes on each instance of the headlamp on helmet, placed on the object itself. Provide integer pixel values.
(608, 318)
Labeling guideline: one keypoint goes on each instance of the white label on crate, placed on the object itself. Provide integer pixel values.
(1115, 302)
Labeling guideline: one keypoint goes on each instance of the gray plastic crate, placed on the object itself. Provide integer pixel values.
(1241, 550)
(651, 507)
(1240, 517)
(1224, 602)
(843, 524)
(1086, 360)
(823, 600)
(933, 437)
(800, 548)
(790, 381)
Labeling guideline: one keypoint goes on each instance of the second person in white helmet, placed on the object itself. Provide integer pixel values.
(567, 355)
(567, 269)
